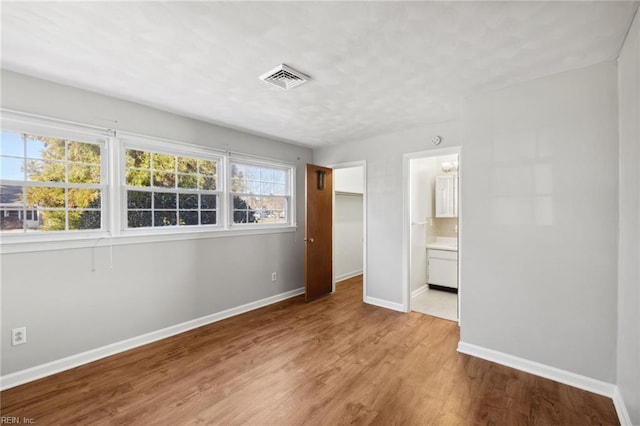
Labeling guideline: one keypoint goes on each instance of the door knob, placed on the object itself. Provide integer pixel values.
(309, 239)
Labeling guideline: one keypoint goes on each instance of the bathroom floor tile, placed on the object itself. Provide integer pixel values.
(437, 303)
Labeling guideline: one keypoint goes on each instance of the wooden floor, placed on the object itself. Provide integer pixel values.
(333, 361)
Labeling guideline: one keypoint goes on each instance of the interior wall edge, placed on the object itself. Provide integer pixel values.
(621, 408)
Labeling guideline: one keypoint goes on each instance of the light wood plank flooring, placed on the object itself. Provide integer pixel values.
(333, 361)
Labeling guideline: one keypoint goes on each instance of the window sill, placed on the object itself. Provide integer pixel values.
(67, 242)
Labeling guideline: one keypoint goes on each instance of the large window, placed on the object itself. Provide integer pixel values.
(67, 181)
(50, 183)
(165, 189)
(260, 193)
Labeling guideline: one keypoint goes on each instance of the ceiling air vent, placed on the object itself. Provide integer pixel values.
(285, 77)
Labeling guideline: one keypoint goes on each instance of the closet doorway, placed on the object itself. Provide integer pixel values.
(432, 211)
(349, 225)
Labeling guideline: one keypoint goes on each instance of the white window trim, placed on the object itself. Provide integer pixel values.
(17, 122)
(291, 185)
(162, 147)
(113, 234)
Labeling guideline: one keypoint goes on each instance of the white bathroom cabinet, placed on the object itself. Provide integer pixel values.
(446, 195)
(442, 267)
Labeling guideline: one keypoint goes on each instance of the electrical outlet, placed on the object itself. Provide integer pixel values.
(274, 276)
(18, 336)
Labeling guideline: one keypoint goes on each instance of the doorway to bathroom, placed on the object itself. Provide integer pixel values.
(432, 211)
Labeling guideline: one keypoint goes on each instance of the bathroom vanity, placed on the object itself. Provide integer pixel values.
(442, 264)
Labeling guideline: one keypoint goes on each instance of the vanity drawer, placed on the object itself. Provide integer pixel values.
(442, 254)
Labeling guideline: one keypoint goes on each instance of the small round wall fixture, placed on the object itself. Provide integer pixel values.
(436, 140)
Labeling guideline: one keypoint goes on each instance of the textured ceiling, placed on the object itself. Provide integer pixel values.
(376, 67)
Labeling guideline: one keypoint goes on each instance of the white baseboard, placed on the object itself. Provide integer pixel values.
(348, 275)
(621, 408)
(384, 303)
(562, 376)
(542, 370)
(53, 367)
(418, 291)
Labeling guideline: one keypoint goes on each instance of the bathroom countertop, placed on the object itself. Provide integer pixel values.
(442, 246)
(444, 243)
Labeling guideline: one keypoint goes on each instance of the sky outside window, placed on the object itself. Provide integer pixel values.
(11, 144)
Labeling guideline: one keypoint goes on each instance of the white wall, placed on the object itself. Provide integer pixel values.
(540, 203)
(68, 309)
(349, 179)
(539, 207)
(384, 198)
(628, 379)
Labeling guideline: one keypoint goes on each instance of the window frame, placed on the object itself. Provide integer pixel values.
(176, 149)
(289, 189)
(113, 188)
(38, 126)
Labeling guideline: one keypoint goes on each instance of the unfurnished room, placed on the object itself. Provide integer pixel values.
(320, 212)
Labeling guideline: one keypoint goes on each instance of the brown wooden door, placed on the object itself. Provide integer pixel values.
(318, 268)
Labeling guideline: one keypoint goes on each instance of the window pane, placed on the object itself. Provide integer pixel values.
(273, 216)
(280, 176)
(52, 220)
(139, 200)
(164, 162)
(252, 173)
(164, 180)
(187, 165)
(84, 219)
(10, 220)
(187, 176)
(84, 198)
(253, 187)
(139, 219)
(188, 181)
(188, 201)
(207, 167)
(67, 165)
(208, 201)
(137, 159)
(188, 217)
(238, 181)
(266, 175)
(279, 189)
(79, 173)
(240, 216)
(83, 152)
(11, 144)
(274, 203)
(164, 200)
(208, 217)
(138, 178)
(10, 196)
(40, 147)
(208, 183)
(46, 171)
(11, 168)
(268, 209)
(261, 181)
(45, 197)
(267, 188)
(242, 211)
(164, 218)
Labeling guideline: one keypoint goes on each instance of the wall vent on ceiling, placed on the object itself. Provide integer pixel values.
(285, 77)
